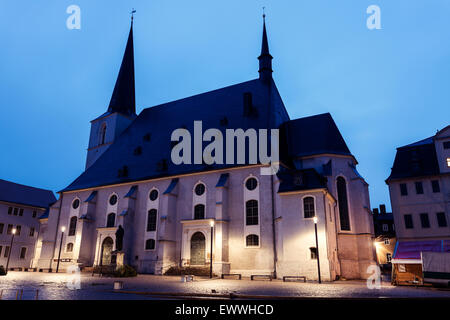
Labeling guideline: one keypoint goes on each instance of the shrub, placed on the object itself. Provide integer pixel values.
(178, 271)
(125, 271)
(2, 271)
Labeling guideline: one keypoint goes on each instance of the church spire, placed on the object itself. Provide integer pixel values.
(123, 97)
(265, 59)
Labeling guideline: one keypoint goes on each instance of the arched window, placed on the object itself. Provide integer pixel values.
(102, 134)
(343, 203)
(151, 220)
(252, 240)
(308, 207)
(251, 212)
(150, 244)
(199, 211)
(69, 247)
(111, 220)
(72, 226)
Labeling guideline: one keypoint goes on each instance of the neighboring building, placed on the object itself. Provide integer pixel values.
(20, 209)
(419, 187)
(263, 224)
(385, 239)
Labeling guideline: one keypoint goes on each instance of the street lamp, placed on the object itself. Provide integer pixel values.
(317, 248)
(10, 249)
(211, 251)
(60, 246)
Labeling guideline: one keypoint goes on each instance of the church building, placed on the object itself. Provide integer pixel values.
(134, 200)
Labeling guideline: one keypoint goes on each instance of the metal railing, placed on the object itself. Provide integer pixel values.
(18, 294)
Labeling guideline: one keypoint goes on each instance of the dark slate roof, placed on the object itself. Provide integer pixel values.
(415, 160)
(123, 97)
(313, 135)
(25, 195)
(297, 180)
(221, 109)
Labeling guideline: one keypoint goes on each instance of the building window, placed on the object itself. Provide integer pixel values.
(1, 227)
(1, 249)
(9, 229)
(72, 226)
(343, 204)
(200, 189)
(151, 220)
(199, 211)
(387, 241)
(401, 268)
(425, 222)
(103, 134)
(403, 189)
(153, 195)
(113, 200)
(69, 247)
(388, 257)
(448, 162)
(435, 186)
(34, 213)
(18, 229)
(111, 220)
(252, 240)
(16, 211)
(150, 244)
(76, 203)
(308, 207)
(419, 187)
(385, 227)
(10, 210)
(23, 252)
(313, 253)
(441, 219)
(21, 212)
(6, 252)
(408, 221)
(31, 232)
(251, 184)
(251, 212)
(446, 145)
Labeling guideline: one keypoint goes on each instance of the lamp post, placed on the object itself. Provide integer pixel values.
(60, 246)
(10, 249)
(211, 251)
(317, 249)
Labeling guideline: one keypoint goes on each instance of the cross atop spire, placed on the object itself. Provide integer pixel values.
(123, 97)
(133, 11)
(265, 59)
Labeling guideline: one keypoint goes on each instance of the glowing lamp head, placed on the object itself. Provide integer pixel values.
(63, 229)
(211, 223)
(14, 231)
(315, 219)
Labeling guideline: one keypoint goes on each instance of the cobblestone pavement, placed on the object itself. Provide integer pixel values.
(54, 286)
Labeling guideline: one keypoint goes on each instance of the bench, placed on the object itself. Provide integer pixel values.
(45, 270)
(104, 270)
(15, 269)
(262, 276)
(30, 269)
(294, 278)
(231, 275)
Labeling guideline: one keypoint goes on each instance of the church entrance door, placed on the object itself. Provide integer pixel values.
(198, 249)
(107, 248)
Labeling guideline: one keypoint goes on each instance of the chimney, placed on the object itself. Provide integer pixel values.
(383, 209)
(375, 211)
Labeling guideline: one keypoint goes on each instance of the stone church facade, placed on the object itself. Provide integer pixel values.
(170, 214)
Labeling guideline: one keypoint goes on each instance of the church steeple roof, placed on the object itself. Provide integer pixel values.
(123, 97)
(265, 59)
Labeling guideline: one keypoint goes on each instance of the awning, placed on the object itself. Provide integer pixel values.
(409, 251)
(91, 196)
(171, 186)
(131, 192)
(222, 180)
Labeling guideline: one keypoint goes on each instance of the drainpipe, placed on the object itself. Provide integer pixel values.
(337, 242)
(57, 228)
(275, 257)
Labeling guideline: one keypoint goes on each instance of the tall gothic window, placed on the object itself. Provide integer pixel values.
(308, 207)
(151, 220)
(251, 212)
(103, 134)
(72, 226)
(199, 211)
(343, 204)
(111, 220)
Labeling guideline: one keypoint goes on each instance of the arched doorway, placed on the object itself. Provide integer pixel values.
(107, 248)
(198, 249)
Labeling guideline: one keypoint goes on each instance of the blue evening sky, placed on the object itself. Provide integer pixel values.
(385, 88)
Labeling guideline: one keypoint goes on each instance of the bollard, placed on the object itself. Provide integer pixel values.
(118, 285)
(1, 294)
(37, 295)
(17, 295)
